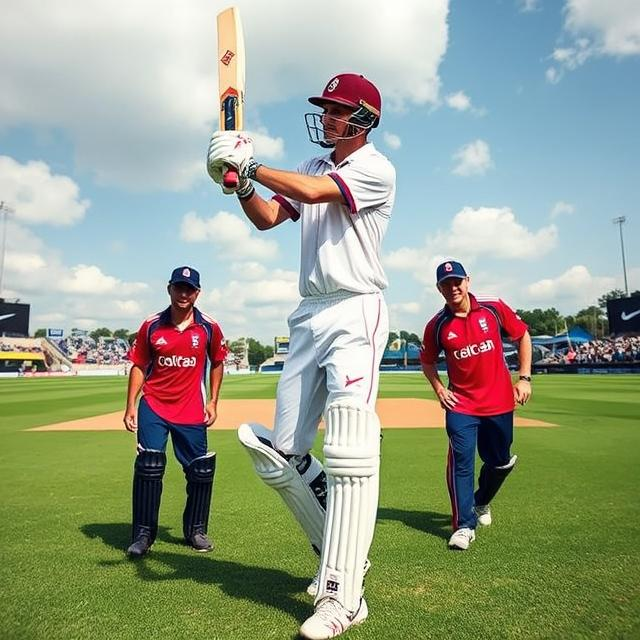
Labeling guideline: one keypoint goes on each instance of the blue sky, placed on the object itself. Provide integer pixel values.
(512, 124)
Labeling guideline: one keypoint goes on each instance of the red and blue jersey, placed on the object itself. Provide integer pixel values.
(477, 370)
(174, 363)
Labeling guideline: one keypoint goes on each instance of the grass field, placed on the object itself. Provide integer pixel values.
(561, 560)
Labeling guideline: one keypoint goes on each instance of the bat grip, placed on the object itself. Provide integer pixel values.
(230, 178)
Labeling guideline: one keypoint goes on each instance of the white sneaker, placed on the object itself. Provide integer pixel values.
(312, 589)
(331, 619)
(462, 538)
(483, 513)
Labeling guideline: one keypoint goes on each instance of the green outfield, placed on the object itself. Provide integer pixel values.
(561, 560)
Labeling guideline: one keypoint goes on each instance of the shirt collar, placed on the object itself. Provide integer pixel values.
(474, 306)
(364, 149)
(165, 316)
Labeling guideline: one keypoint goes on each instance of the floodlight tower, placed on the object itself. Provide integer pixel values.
(5, 209)
(620, 221)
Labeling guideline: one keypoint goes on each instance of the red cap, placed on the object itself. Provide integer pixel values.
(351, 90)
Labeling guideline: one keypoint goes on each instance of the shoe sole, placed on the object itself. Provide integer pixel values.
(456, 547)
(361, 615)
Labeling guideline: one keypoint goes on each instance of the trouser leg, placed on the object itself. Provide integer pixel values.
(462, 430)
(495, 436)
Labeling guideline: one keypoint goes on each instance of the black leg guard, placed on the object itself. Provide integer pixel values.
(147, 490)
(313, 474)
(491, 479)
(199, 476)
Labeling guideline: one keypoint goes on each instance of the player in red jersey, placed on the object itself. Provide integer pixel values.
(480, 399)
(169, 358)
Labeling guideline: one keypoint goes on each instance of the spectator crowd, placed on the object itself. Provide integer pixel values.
(25, 347)
(602, 351)
(86, 350)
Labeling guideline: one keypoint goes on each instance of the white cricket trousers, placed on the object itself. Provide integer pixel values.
(336, 343)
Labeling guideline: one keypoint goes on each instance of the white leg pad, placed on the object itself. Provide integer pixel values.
(352, 463)
(279, 474)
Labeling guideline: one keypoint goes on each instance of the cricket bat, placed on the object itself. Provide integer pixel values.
(230, 78)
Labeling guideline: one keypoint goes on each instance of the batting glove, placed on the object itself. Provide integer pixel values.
(231, 148)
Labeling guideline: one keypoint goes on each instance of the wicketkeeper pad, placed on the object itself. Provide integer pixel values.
(147, 490)
(352, 463)
(199, 475)
(294, 484)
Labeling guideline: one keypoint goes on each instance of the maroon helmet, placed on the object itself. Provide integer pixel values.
(353, 90)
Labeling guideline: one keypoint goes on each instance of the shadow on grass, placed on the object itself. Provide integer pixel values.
(271, 587)
(436, 524)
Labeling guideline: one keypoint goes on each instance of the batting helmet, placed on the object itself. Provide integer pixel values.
(353, 90)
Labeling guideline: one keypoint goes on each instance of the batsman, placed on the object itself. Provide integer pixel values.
(343, 202)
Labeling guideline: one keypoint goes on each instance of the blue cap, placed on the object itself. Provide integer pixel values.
(188, 275)
(450, 269)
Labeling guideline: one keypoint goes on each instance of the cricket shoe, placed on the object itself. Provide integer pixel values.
(483, 513)
(140, 546)
(462, 538)
(200, 542)
(312, 589)
(330, 619)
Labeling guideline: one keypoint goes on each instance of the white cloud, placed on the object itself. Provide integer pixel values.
(403, 259)
(575, 285)
(392, 140)
(561, 208)
(474, 233)
(147, 120)
(231, 235)
(23, 263)
(496, 232)
(528, 6)
(38, 196)
(248, 270)
(265, 146)
(62, 295)
(89, 280)
(552, 75)
(595, 29)
(240, 303)
(613, 26)
(473, 159)
(458, 101)
(406, 307)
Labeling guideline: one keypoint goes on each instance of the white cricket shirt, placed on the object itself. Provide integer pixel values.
(341, 241)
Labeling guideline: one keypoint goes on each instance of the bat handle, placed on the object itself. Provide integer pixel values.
(230, 178)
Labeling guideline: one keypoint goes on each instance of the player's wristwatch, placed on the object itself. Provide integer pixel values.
(525, 378)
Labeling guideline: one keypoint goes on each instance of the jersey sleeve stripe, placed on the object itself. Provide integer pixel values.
(287, 206)
(346, 192)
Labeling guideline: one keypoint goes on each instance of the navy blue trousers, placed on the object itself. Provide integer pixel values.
(189, 441)
(493, 436)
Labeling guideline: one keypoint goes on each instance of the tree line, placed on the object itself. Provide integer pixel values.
(593, 318)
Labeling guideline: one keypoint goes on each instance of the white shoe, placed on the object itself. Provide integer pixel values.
(331, 619)
(312, 589)
(483, 513)
(462, 538)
